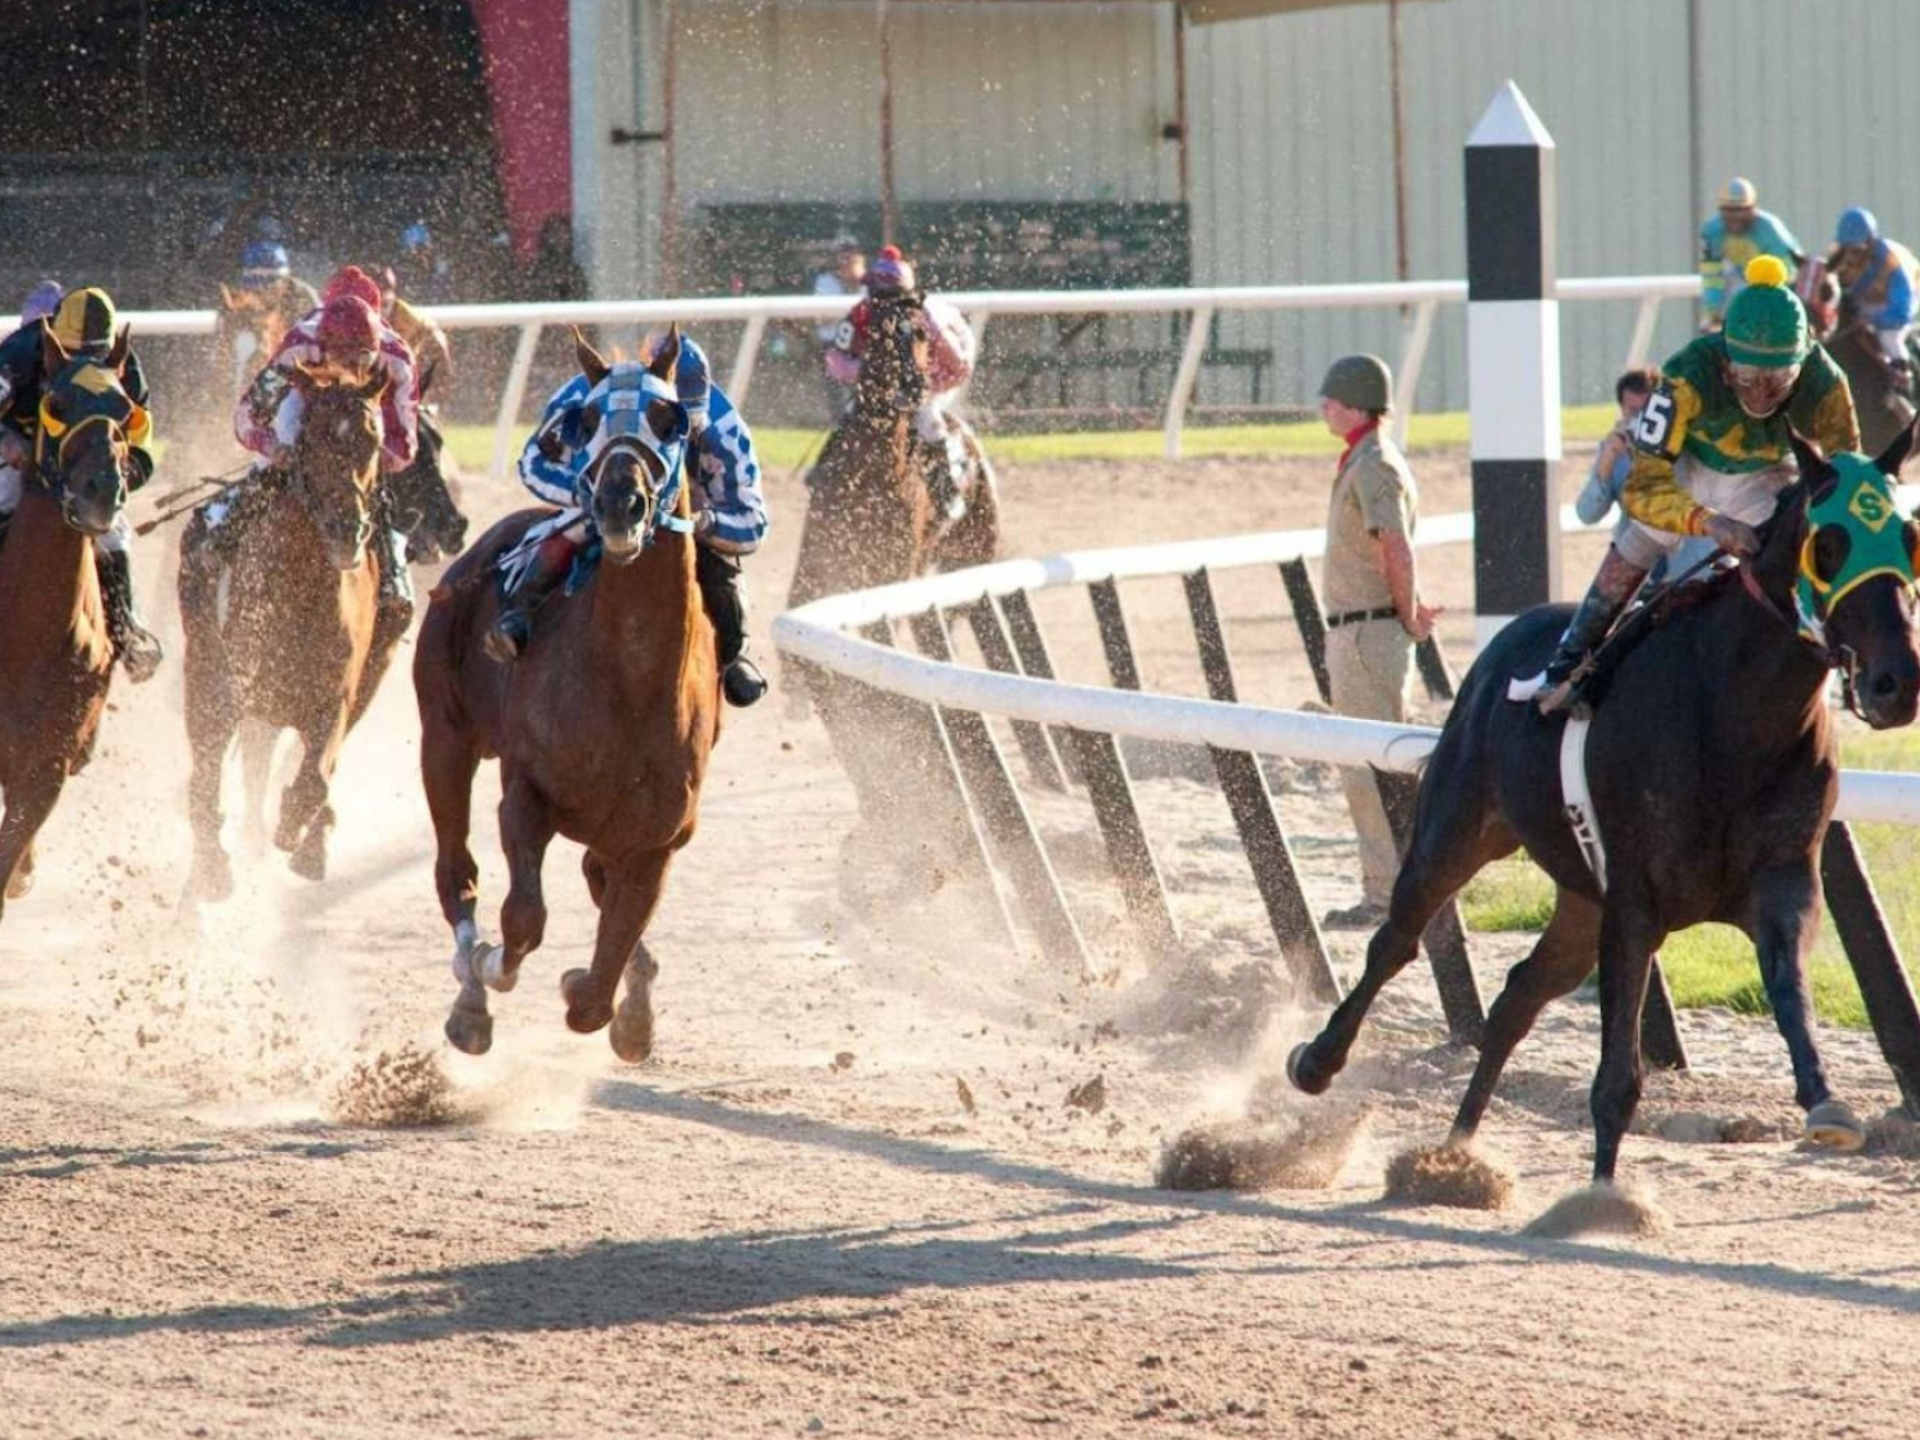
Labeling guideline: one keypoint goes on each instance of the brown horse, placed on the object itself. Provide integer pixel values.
(603, 726)
(294, 644)
(56, 658)
(870, 520)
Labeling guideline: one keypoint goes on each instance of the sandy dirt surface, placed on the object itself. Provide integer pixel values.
(849, 1195)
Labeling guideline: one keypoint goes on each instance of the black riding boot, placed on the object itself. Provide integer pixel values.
(1612, 588)
(513, 628)
(719, 576)
(134, 645)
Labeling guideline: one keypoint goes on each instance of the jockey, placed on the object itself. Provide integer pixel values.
(346, 340)
(1877, 280)
(1731, 238)
(432, 355)
(730, 515)
(1713, 449)
(41, 302)
(266, 271)
(949, 368)
(83, 323)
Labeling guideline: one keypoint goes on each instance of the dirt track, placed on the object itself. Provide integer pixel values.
(792, 1222)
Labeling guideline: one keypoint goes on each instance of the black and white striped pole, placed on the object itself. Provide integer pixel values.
(1513, 361)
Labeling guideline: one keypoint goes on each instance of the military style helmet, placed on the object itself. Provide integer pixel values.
(1739, 193)
(1766, 323)
(1362, 381)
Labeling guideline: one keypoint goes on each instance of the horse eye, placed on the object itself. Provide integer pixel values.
(589, 420)
(1831, 546)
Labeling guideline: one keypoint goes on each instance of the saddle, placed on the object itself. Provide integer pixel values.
(1641, 619)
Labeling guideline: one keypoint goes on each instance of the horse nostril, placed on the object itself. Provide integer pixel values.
(1885, 684)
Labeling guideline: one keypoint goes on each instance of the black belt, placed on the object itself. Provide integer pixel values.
(1356, 617)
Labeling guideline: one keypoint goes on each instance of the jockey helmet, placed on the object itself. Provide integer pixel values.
(845, 244)
(1739, 193)
(891, 273)
(352, 280)
(415, 237)
(84, 323)
(348, 325)
(1857, 227)
(1362, 381)
(262, 263)
(1766, 323)
(41, 301)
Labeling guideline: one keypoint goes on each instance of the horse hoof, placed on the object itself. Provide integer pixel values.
(20, 885)
(586, 1012)
(632, 1032)
(490, 964)
(213, 879)
(1306, 1076)
(469, 1031)
(1832, 1125)
(309, 862)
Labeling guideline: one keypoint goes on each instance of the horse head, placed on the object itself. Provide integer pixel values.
(1844, 559)
(893, 371)
(89, 427)
(636, 431)
(336, 461)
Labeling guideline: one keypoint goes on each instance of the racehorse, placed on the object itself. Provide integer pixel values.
(870, 520)
(1713, 774)
(1882, 407)
(56, 659)
(295, 643)
(603, 726)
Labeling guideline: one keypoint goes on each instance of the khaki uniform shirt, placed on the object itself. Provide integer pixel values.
(1374, 492)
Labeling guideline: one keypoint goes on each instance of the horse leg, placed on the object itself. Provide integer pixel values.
(448, 759)
(1786, 909)
(1560, 960)
(594, 868)
(30, 799)
(632, 894)
(212, 716)
(526, 829)
(1452, 842)
(258, 742)
(305, 815)
(1628, 940)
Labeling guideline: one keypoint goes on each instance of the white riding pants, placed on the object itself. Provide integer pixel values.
(1749, 497)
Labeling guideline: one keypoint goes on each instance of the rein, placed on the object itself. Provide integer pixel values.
(1811, 630)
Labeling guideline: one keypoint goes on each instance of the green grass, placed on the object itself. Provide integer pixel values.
(782, 450)
(1715, 964)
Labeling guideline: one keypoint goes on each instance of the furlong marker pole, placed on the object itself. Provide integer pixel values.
(1513, 361)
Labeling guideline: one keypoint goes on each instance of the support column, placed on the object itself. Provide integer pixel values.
(1513, 361)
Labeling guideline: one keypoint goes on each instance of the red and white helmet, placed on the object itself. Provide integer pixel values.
(352, 280)
(891, 273)
(348, 324)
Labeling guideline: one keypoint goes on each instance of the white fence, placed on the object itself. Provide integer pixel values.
(818, 632)
(1419, 300)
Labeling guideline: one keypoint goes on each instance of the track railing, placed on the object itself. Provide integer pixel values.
(1418, 300)
(850, 636)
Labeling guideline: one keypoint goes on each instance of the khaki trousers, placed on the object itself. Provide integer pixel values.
(1370, 665)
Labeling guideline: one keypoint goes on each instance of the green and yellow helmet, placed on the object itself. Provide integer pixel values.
(1766, 323)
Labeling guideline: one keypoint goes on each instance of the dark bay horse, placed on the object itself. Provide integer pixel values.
(870, 520)
(603, 727)
(1713, 774)
(285, 633)
(56, 659)
(1884, 410)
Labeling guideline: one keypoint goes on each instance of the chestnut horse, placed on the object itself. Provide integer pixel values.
(55, 655)
(294, 643)
(603, 726)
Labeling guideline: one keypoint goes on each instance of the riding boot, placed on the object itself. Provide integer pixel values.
(719, 577)
(134, 645)
(513, 628)
(1572, 661)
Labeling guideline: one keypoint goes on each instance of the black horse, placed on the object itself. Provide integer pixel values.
(1713, 774)
(421, 503)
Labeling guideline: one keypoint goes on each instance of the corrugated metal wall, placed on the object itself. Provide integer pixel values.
(1011, 101)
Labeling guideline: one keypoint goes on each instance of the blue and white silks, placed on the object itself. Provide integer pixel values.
(724, 468)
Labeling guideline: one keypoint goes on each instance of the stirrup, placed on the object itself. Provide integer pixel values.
(507, 636)
(139, 653)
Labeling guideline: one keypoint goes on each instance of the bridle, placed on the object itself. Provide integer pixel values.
(620, 403)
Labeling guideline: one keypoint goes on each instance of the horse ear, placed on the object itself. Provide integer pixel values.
(122, 348)
(53, 355)
(588, 358)
(227, 301)
(1889, 460)
(1814, 469)
(668, 355)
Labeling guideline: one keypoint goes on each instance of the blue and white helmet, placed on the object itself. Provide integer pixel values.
(262, 263)
(415, 237)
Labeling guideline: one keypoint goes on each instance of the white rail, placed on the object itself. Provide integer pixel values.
(818, 632)
(1419, 299)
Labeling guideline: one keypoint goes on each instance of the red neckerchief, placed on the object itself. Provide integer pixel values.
(1354, 437)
